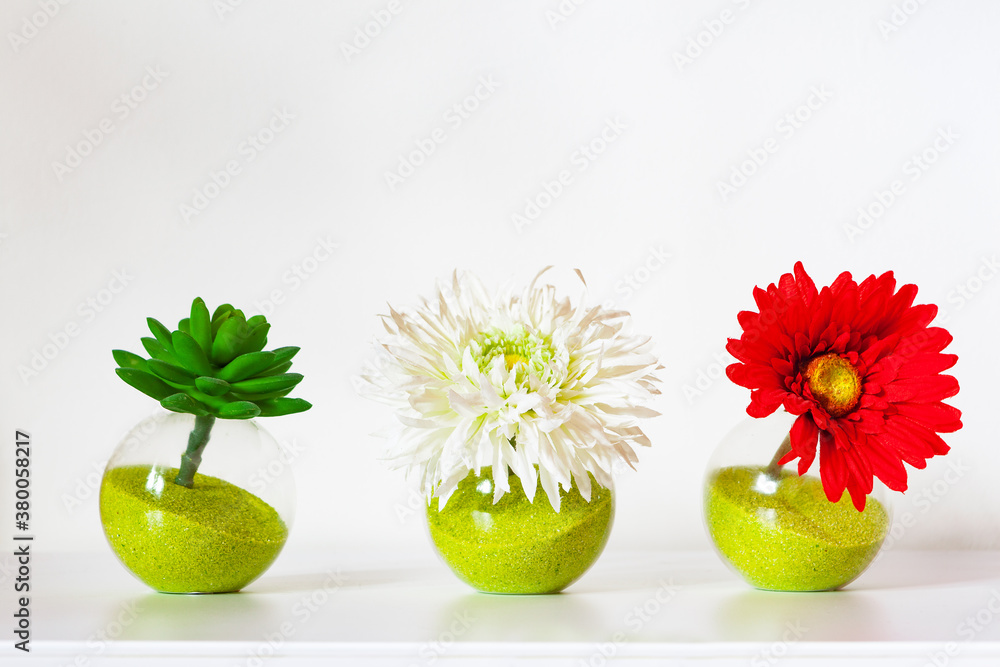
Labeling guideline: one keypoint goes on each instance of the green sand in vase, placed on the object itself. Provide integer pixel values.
(515, 546)
(212, 538)
(791, 537)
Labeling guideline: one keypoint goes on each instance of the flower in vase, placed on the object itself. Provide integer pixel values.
(526, 381)
(859, 366)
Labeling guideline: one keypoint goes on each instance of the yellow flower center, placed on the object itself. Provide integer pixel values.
(511, 359)
(521, 350)
(834, 382)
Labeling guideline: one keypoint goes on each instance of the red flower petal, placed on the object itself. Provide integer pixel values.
(796, 405)
(926, 364)
(924, 389)
(935, 416)
(832, 469)
(877, 329)
(806, 285)
(804, 437)
(915, 438)
(886, 464)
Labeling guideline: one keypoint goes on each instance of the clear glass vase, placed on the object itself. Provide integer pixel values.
(515, 546)
(216, 536)
(778, 530)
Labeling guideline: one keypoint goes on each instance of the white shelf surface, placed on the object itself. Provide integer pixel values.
(685, 608)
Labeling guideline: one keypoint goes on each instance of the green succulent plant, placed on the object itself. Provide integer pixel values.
(213, 367)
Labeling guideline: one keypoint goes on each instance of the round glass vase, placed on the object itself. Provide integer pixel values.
(778, 530)
(514, 546)
(216, 536)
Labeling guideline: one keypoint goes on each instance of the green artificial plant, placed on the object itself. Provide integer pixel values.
(213, 367)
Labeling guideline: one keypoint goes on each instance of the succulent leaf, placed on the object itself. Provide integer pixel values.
(214, 366)
(212, 386)
(126, 359)
(145, 382)
(275, 370)
(226, 345)
(262, 385)
(246, 365)
(257, 338)
(190, 354)
(282, 361)
(218, 319)
(157, 351)
(239, 410)
(181, 402)
(223, 310)
(171, 373)
(201, 325)
(282, 354)
(277, 407)
(161, 332)
(257, 397)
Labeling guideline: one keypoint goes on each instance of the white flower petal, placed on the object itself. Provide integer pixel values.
(467, 373)
(550, 486)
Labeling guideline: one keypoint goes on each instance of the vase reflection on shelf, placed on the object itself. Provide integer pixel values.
(215, 537)
(517, 546)
(777, 529)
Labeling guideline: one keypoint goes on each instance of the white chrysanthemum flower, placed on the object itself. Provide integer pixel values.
(512, 381)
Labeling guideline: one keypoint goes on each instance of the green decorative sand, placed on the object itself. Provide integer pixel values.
(790, 538)
(517, 547)
(212, 538)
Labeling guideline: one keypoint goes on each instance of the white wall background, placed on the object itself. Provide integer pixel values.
(894, 76)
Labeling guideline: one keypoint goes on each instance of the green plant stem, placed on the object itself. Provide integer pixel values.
(196, 445)
(774, 468)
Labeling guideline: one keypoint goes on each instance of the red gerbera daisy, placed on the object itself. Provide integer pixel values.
(861, 369)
